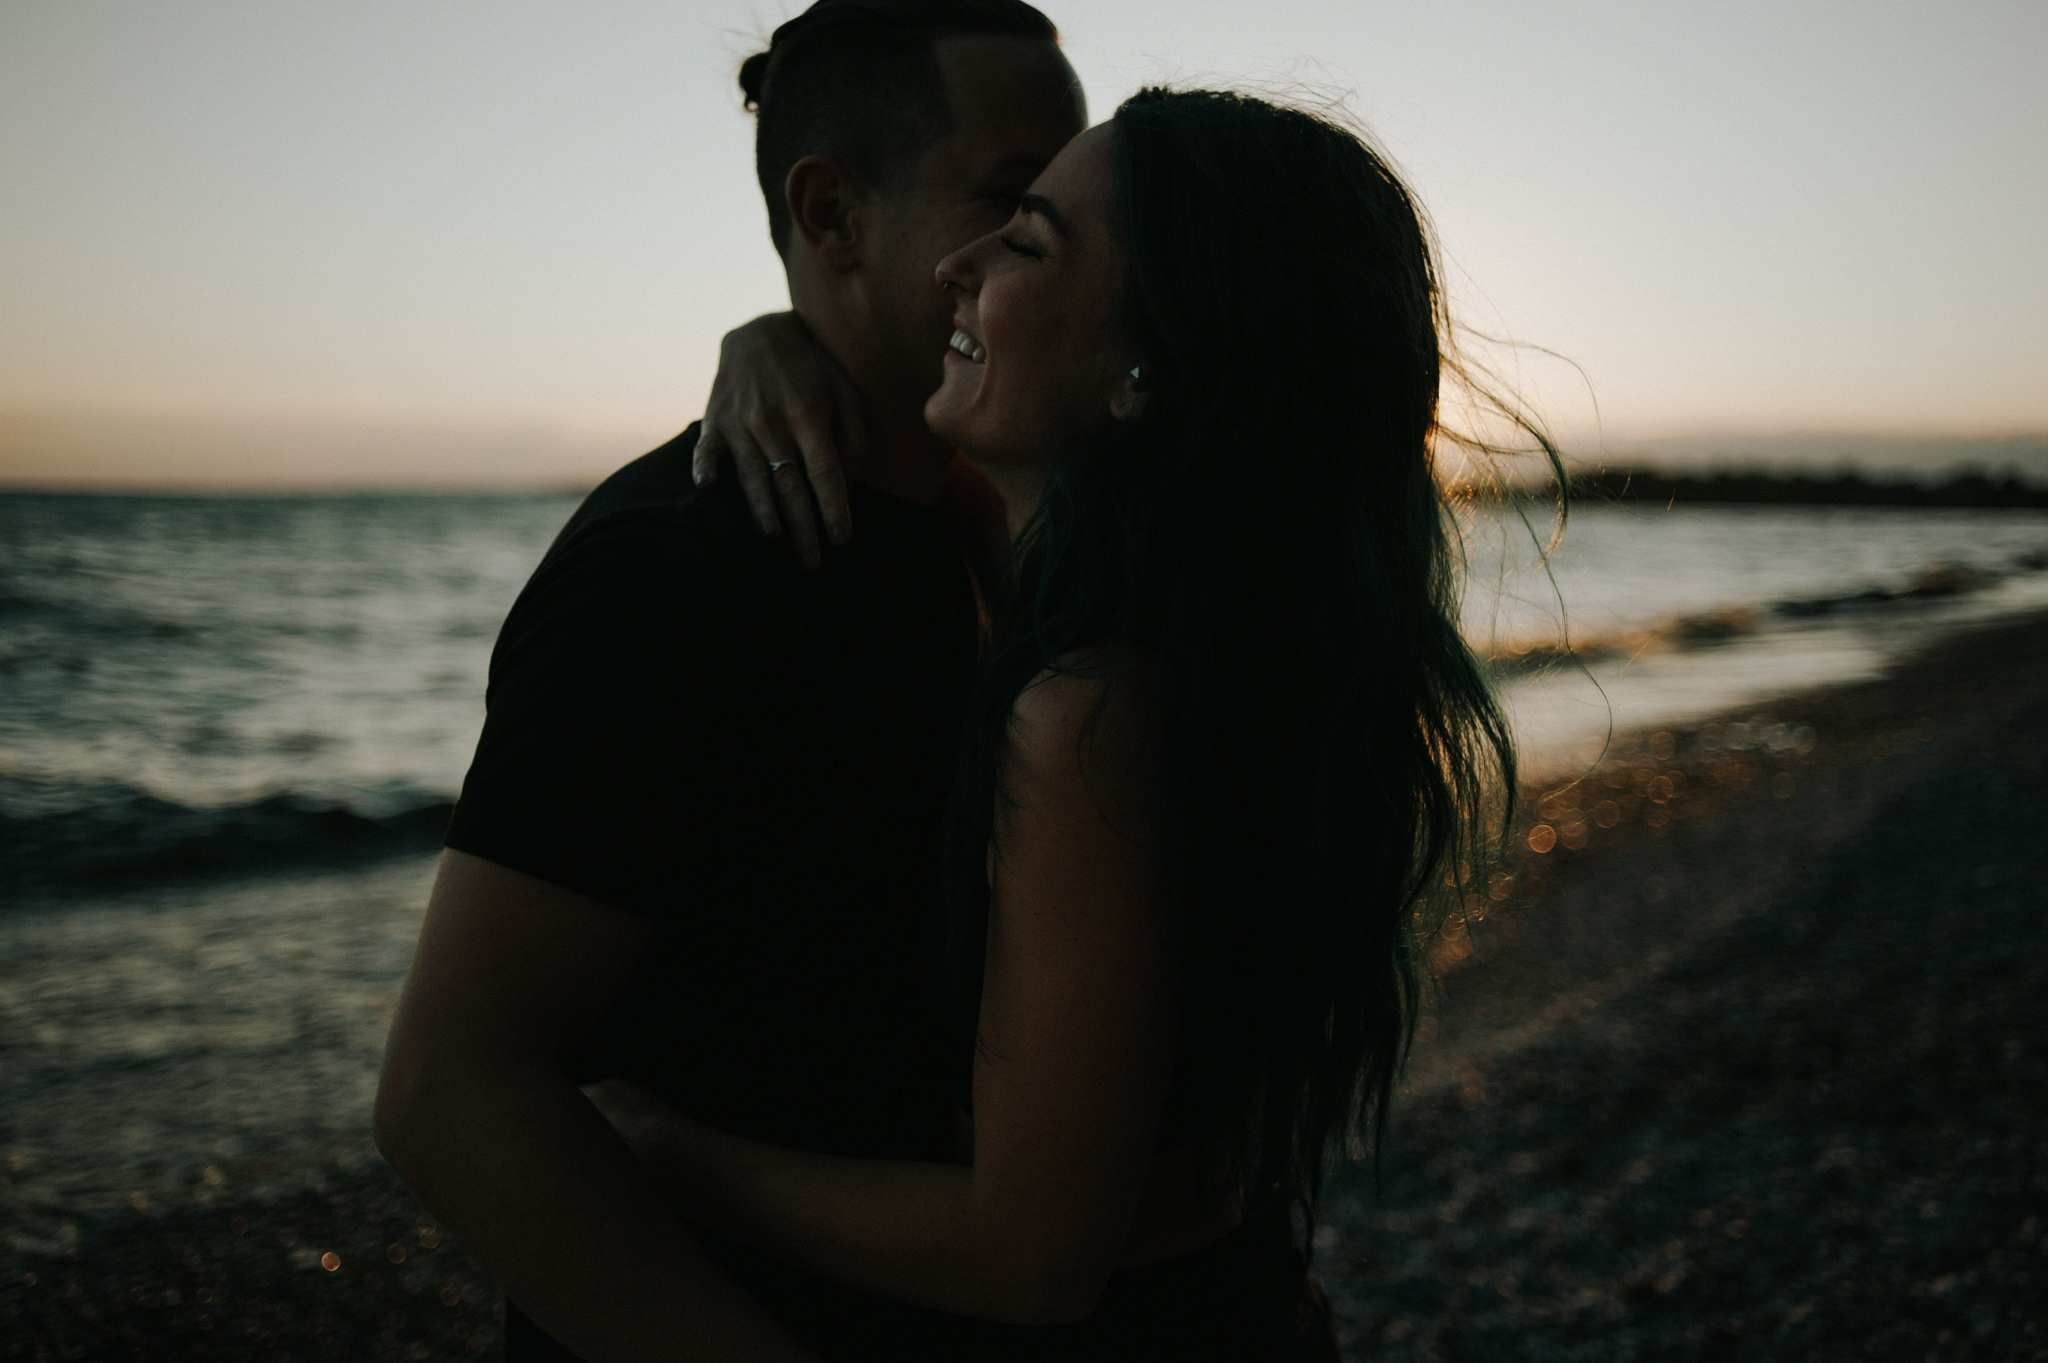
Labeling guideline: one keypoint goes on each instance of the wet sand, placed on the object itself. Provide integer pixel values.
(1751, 1064)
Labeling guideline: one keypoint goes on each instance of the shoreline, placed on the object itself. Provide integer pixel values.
(1737, 486)
(1690, 1089)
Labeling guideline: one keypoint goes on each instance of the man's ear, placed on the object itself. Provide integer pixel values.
(824, 210)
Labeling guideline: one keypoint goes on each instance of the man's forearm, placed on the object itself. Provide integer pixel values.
(551, 1203)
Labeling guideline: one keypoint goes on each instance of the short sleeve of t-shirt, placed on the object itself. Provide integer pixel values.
(621, 681)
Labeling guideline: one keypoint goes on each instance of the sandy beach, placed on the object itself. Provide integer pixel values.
(1748, 1062)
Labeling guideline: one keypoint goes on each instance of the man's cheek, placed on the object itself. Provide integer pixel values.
(970, 226)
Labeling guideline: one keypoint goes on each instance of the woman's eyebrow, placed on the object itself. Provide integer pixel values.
(1044, 208)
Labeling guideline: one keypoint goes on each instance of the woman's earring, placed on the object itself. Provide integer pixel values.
(1129, 402)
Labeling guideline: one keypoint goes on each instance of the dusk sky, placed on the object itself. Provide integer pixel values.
(374, 243)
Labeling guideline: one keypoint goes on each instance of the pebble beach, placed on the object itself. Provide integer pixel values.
(1757, 1070)
(1744, 1059)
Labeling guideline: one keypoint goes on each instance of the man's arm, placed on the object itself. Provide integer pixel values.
(476, 1111)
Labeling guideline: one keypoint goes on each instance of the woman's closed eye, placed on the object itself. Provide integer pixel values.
(1018, 246)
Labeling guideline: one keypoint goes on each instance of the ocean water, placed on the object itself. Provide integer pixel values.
(230, 729)
(213, 683)
(1674, 613)
(193, 683)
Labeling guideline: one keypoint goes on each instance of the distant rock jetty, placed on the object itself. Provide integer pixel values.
(1847, 489)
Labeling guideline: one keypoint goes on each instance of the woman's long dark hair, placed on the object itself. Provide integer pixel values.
(1270, 533)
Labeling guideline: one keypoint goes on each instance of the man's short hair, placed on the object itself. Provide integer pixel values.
(859, 81)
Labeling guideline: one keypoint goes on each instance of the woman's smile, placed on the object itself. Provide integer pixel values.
(966, 345)
(1045, 292)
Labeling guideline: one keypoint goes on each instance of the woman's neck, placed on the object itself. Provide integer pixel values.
(905, 460)
(1020, 489)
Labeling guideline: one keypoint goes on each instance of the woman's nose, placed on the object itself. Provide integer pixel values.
(957, 272)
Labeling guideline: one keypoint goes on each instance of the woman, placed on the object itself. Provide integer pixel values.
(1226, 745)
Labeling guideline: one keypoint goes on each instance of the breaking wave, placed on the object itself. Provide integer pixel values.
(54, 834)
(1705, 629)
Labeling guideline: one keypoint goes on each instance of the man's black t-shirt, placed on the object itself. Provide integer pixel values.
(686, 725)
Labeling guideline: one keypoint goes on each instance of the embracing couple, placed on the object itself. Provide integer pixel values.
(977, 936)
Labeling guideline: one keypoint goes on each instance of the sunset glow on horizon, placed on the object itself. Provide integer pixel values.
(256, 244)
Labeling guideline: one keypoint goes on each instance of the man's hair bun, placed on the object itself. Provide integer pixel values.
(753, 74)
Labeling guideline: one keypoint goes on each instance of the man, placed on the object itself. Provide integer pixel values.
(699, 846)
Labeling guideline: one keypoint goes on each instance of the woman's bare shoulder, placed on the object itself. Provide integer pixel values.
(1088, 723)
(1090, 694)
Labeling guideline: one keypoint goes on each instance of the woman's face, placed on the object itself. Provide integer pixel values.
(1037, 365)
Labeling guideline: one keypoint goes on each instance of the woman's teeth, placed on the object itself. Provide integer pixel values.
(961, 343)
